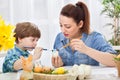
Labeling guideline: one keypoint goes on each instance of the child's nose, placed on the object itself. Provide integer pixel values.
(35, 42)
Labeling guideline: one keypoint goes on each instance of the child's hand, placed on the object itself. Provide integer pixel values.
(18, 64)
(27, 63)
(37, 53)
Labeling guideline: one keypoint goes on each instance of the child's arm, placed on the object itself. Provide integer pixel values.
(10, 60)
(37, 53)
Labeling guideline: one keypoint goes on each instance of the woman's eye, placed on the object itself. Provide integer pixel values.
(68, 27)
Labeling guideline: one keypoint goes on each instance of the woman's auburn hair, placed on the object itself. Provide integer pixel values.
(78, 12)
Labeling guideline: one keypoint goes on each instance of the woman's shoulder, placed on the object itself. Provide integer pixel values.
(60, 36)
(96, 34)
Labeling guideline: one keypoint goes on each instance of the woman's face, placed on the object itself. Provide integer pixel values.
(69, 27)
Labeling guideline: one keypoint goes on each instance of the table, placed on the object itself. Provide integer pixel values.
(103, 73)
(98, 73)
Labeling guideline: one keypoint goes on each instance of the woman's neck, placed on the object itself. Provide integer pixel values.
(77, 37)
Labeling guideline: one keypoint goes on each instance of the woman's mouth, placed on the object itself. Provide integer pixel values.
(66, 35)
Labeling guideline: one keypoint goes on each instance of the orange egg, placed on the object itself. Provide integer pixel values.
(46, 69)
(37, 69)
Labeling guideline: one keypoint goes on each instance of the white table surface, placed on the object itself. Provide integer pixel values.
(98, 73)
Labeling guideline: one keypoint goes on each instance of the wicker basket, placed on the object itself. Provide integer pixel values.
(40, 76)
(118, 67)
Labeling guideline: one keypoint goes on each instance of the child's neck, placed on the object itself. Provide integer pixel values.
(21, 47)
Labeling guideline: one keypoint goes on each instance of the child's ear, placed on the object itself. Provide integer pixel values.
(30, 57)
(19, 39)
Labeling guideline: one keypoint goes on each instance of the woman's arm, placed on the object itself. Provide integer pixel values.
(102, 57)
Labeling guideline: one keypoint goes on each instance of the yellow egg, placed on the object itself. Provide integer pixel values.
(60, 70)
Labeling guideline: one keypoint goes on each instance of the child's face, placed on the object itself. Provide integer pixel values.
(28, 42)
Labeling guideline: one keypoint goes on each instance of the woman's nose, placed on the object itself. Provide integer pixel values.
(63, 29)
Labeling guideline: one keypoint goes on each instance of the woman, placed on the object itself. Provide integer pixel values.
(86, 46)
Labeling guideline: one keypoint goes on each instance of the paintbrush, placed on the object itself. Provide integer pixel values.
(66, 45)
(42, 49)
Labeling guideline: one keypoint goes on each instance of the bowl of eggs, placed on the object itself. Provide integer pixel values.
(47, 73)
(76, 72)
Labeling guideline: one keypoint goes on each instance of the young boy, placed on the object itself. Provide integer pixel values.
(27, 35)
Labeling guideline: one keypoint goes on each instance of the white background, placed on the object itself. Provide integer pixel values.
(45, 13)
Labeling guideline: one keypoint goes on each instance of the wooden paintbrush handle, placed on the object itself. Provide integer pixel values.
(66, 45)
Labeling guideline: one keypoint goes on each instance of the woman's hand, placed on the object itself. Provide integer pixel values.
(37, 53)
(57, 61)
(78, 45)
